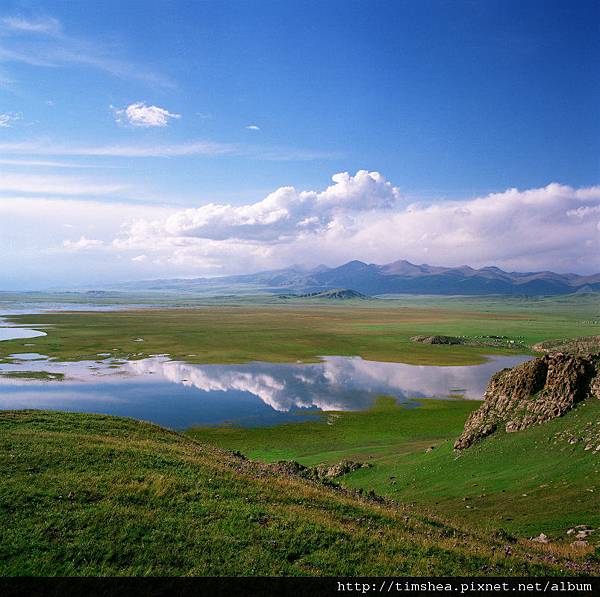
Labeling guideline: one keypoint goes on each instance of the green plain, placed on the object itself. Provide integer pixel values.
(290, 331)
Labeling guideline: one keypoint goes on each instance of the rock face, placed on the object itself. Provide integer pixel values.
(532, 393)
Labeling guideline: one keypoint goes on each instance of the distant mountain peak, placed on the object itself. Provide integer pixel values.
(355, 264)
(399, 277)
(402, 266)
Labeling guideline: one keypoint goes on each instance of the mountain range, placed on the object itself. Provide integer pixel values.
(399, 277)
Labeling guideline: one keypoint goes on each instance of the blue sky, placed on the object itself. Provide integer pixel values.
(118, 113)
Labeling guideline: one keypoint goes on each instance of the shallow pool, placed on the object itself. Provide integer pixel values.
(14, 333)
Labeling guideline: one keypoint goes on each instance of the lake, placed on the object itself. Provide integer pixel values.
(179, 395)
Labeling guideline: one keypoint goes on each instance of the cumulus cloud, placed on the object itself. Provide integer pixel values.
(363, 217)
(33, 229)
(253, 127)
(532, 229)
(141, 115)
(286, 213)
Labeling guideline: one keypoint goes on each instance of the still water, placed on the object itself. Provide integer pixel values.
(179, 395)
(16, 333)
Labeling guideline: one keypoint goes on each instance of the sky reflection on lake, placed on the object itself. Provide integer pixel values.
(15, 333)
(178, 394)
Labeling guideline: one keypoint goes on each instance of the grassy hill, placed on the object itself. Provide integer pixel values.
(526, 483)
(98, 495)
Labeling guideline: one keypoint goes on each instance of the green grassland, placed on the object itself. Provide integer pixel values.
(294, 330)
(527, 482)
(33, 375)
(387, 429)
(98, 495)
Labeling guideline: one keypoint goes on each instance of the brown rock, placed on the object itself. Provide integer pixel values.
(579, 544)
(531, 393)
(541, 538)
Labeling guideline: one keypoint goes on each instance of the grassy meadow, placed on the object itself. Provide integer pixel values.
(520, 482)
(295, 330)
(98, 495)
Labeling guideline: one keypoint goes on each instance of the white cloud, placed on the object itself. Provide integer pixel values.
(199, 148)
(141, 115)
(49, 164)
(141, 151)
(55, 185)
(8, 118)
(286, 213)
(43, 42)
(32, 231)
(43, 148)
(362, 217)
(82, 244)
(253, 127)
(41, 220)
(45, 25)
(323, 385)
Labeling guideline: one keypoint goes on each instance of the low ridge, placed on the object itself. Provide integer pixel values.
(336, 293)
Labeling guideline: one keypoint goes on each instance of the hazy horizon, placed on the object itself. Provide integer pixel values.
(131, 282)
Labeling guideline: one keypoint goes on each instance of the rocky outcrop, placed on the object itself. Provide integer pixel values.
(437, 340)
(576, 346)
(322, 472)
(491, 341)
(532, 393)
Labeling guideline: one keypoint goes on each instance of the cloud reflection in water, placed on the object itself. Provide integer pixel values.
(179, 395)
